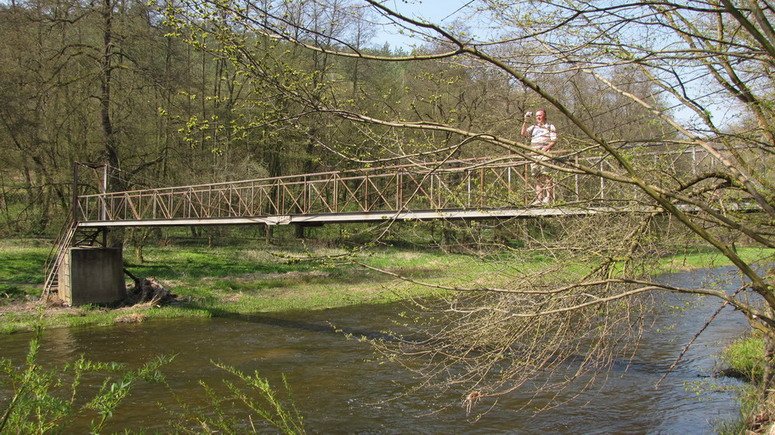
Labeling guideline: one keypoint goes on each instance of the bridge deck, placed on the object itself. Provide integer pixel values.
(327, 218)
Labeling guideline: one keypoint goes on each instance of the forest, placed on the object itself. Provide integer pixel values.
(130, 84)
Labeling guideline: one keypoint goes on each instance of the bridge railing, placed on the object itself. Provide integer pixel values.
(461, 184)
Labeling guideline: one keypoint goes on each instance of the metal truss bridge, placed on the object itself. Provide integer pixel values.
(460, 189)
(483, 188)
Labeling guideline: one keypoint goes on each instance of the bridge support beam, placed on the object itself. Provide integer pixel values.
(92, 276)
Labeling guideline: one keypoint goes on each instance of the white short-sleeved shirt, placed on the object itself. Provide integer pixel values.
(542, 135)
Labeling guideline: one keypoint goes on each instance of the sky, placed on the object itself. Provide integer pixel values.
(436, 11)
(446, 12)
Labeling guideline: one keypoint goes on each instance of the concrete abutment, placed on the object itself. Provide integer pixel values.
(90, 275)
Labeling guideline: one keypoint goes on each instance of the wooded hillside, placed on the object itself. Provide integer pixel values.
(170, 98)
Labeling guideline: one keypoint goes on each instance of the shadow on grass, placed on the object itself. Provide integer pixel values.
(250, 277)
(201, 266)
(12, 291)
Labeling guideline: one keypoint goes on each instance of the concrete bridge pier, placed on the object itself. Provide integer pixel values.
(92, 275)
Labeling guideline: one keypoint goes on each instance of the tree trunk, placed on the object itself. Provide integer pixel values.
(114, 183)
(766, 387)
(139, 253)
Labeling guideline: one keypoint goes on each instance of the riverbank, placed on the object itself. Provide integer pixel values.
(744, 358)
(220, 281)
(239, 280)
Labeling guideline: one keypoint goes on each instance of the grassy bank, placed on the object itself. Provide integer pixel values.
(744, 358)
(245, 279)
(241, 280)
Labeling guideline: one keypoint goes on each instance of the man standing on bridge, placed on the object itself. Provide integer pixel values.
(543, 136)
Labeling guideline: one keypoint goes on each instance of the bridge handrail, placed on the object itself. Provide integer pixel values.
(306, 177)
(348, 174)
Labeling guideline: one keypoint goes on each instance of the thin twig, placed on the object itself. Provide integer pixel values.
(691, 342)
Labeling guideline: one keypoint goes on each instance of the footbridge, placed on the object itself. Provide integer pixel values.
(460, 189)
(482, 188)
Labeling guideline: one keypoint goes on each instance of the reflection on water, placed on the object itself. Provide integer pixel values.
(339, 388)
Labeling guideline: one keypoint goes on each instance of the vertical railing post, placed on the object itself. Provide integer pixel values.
(252, 203)
(104, 209)
(481, 187)
(75, 193)
(430, 199)
(277, 205)
(104, 193)
(399, 189)
(208, 212)
(468, 188)
(576, 180)
(602, 182)
(307, 192)
(336, 192)
(234, 193)
(281, 204)
(366, 193)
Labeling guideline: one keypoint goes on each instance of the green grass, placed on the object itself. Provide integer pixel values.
(745, 358)
(221, 281)
(246, 279)
(709, 257)
(22, 265)
(21, 269)
(11, 322)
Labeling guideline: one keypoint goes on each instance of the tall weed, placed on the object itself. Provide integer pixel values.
(49, 400)
(248, 394)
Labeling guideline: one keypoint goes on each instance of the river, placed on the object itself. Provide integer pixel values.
(339, 387)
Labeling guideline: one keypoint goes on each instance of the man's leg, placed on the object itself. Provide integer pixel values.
(542, 189)
(535, 171)
(539, 188)
(549, 190)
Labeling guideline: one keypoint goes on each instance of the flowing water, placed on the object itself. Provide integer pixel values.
(340, 387)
